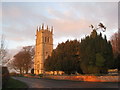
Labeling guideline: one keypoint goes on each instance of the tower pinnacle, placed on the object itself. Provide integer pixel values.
(39, 27)
(52, 29)
(47, 27)
(37, 30)
(43, 26)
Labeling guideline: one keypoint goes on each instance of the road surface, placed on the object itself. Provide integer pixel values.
(50, 83)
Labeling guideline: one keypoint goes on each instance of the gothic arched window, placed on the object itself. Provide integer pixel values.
(42, 39)
(45, 39)
(48, 39)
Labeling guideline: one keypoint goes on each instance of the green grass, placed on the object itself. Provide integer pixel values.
(12, 83)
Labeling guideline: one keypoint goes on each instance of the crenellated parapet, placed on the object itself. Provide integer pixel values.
(43, 28)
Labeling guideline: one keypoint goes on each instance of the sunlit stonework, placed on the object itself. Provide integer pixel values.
(43, 49)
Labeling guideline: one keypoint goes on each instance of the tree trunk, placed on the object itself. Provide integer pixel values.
(20, 71)
(26, 71)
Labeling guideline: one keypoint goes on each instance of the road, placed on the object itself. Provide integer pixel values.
(50, 83)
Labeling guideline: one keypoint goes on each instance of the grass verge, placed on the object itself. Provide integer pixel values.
(13, 83)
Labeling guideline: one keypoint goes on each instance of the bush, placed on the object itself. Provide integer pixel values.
(99, 74)
(20, 75)
(41, 75)
(32, 74)
(32, 71)
(5, 76)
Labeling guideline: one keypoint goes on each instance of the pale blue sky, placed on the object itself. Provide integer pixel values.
(70, 20)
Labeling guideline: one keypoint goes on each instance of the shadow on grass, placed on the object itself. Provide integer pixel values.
(14, 84)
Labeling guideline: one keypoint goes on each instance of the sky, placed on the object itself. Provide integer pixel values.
(70, 20)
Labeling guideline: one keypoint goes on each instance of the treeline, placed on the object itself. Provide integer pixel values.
(96, 54)
(64, 58)
(90, 56)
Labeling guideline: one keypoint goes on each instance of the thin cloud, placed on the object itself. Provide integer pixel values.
(71, 20)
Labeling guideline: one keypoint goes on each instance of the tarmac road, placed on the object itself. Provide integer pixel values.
(50, 83)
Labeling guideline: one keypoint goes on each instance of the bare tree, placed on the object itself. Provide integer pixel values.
(23, 60)
(115, 39)
(30, 49)
(3, 51)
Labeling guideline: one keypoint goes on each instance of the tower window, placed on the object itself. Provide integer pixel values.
(48, 39)
(45, 39)
(42, 39)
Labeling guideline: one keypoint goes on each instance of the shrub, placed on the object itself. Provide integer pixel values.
(32, 74)
(32, 71)
(41, 75)
(99, 74)
(20, 75)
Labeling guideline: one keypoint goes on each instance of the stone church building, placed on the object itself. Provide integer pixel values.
(43, 48)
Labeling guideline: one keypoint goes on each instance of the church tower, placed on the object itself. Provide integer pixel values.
(43, 48)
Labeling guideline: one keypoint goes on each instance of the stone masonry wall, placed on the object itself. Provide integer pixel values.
(87, 78)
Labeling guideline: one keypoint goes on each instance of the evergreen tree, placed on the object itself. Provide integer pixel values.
(93, 55)
(96, 54)
(65, 58)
